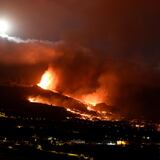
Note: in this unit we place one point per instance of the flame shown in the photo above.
(48, 80)
(38, 99)
(32, 99)
(99, 96)
(92, 99)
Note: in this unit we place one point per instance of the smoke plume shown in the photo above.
(107, 50)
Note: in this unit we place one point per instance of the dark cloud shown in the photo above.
(105, 46)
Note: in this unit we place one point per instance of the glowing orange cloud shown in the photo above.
(99, 96)
(91, 99)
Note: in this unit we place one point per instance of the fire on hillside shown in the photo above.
(89, 107)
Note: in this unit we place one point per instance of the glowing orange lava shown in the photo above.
(86, 115)
(92, 99)
(88, 102)
(32, 99)
(48, 80)
(38, 99)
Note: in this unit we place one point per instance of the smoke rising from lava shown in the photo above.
(81, 73)
(109, 50)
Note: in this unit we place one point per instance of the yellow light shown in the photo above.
(121, 142)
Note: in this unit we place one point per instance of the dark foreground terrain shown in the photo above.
(35, 138)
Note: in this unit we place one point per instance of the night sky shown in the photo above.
(105, 47)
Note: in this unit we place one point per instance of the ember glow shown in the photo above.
(48, 80)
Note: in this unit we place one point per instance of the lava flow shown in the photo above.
(86, 108)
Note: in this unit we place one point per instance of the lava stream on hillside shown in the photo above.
(83, 111)
(91, 109)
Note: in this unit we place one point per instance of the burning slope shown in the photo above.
(83, 111)
(87, 108)
(49, 81)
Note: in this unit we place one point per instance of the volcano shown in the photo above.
(32, 95)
